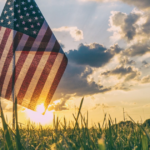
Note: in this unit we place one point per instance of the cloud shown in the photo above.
(75, 81)
(146, 25)
(145, 64)
(138, 49)
(62, 45)
(128, 73)
(102, 106)
(93, 55)
(59, 106)
(123, 86)
(74, 32)
(134, 28)
(81, 66)
(8, 106)
(123, 25)
(146, 106)
(142, 4)
(146, 79)
(128, 77)
(124, 60)
(128, 103)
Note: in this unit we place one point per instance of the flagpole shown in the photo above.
(13, 89)
(13, 83)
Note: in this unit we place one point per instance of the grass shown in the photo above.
(75, 135)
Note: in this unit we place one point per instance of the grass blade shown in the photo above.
(17, 137)
(144, 142)
(78, 113)
(7, 137)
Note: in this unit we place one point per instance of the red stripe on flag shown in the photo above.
(42, 80)
(56, 81)
(4, 41)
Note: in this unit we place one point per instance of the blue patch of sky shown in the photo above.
(90, 17)
(2, 3)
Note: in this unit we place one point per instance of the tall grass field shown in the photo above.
(75, 135)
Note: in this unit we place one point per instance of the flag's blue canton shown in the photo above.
(23, 16)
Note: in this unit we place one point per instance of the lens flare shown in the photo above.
(37, 116)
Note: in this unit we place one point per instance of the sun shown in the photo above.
(37, 117)
(40, 109)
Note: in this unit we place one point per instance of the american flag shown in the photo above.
(39, 60)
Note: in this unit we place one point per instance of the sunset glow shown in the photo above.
(37, 117)
(40, 109)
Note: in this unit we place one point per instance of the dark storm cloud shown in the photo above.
(128, 72)
(94, 55)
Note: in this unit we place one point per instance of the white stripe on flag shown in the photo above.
(50, 79)
(51, 43)
(2, 31)
(40, 36)
(35, 79)
(7, 79)
(6, 50)
(22, 42)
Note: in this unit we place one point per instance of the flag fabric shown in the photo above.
(39, 59)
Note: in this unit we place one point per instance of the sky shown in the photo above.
(107, 43)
